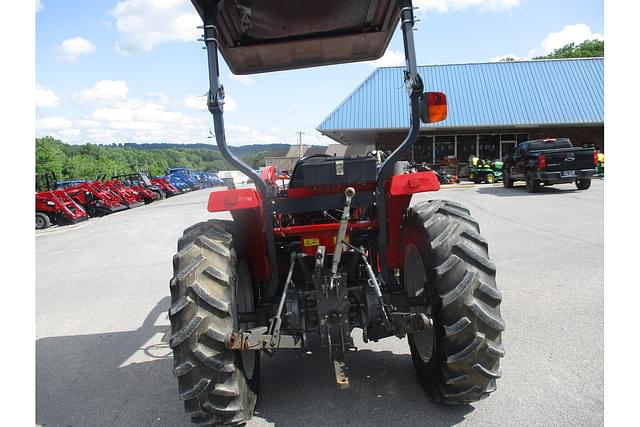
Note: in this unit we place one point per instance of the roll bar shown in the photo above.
(215, 104)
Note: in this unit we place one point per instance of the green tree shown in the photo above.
(587, 49)
(49, 156)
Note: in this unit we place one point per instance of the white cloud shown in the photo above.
(443, 6)
(104, 91)
(39, 6)
(389, 59)
(46, 98)
(70, 49)
(143, 24)
(242, 79)
(112, 117)
(230, 104)
(243, 135)
(570, 34)
(199, 103)
(53, 123)
(577, 34)
(145, 119)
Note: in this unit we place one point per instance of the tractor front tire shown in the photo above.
(42, 221)
(210, 286)
(447, 261)
(490, 178)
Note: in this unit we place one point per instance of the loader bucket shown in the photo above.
(270, 35)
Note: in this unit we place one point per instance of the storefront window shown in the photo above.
(423, 149)
(466, 147)
(489, 147)
(445, 147)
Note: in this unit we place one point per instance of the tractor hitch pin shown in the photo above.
(274, 327)
(349, 193)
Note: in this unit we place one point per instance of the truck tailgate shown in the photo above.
(568, 159)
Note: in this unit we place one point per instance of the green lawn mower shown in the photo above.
(486, 171)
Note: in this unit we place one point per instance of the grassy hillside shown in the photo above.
(89, 160)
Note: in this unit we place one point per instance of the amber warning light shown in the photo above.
(433, 107)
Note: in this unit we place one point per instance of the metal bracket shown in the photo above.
(406, 323)
(258, 339)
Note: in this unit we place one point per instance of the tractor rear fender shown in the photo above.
(399, 191)
(245, 206)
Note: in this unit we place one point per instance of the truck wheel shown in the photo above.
(583, 184)
(447, 262)
(533, 185)
(506, 181)
(42, 221)
(490, 178)
(210, 286)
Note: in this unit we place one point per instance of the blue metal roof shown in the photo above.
(520, 93)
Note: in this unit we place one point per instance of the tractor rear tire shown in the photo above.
(583, 183)
(218, 385)
(462, 361)
(42, 221)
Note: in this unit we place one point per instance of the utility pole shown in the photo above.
(300, 144)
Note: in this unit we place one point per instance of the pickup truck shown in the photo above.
(548, 162)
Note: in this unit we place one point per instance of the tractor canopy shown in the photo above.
(270, 35)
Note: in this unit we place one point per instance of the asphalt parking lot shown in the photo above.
(102, 330)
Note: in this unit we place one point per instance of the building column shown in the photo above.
(433, 150)
(455, 146)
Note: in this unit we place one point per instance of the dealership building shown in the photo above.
(491, 108)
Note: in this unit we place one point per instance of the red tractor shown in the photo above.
(141, 184)
(126, 195)
(160, 182)
(168, 188)
(57, 207)
(143, 193)
(95, 201)
(341, 247)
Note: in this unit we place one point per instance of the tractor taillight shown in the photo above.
(595, 158)
(542, 162)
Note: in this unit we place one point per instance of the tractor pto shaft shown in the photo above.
(349, 193)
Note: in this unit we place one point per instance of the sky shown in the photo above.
(111, 71)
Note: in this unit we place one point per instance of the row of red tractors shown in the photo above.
(69, 202)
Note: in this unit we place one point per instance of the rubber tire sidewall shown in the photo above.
(583, 184)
